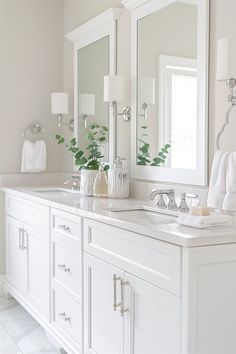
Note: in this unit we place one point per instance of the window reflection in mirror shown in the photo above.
(93, 65)
(167, 87)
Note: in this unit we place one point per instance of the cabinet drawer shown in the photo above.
(155, 261)
(67, 315)
(67, 266)
(66, 223)
(31, 213)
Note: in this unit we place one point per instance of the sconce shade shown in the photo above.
(114, 88)
(87, 104)
(147, 91)
(59, 103)
(226, 54)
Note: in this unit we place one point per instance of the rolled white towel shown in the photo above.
(217, 186)
(203, 222)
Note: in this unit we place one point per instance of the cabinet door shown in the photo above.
(16, 255)
(103, 326)
(38, 269)
(152, 322)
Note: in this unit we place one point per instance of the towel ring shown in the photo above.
(35, 128)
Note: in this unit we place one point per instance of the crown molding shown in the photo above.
(133, 4)
(108, 16)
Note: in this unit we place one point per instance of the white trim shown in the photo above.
(89, 27)
(164, 174)
(133, 4)
(99, 27)
(2, 280)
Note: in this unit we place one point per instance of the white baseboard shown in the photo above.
(2, 279)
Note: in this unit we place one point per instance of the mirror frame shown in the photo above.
(140, 9)
(99, 27)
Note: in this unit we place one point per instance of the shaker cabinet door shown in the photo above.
(38, 269)
(152, 319)
(16, 254)
(103, 326)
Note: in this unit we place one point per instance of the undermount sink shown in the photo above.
(144, 215)
(56, 191)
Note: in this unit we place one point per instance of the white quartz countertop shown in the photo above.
(162, 228)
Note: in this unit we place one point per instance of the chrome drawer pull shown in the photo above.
(115, 280)
(25, 236)
(20, 239)
(64, 267)
(64, 228)
(122, 307)
(64, 316)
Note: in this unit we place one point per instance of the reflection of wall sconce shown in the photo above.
(226, 71)
(146, 95)
(114, 90)
(59, 106)
(86, 106)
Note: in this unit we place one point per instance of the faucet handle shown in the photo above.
(160, 203)
(183, 204)
(183, 207)
(172, 203)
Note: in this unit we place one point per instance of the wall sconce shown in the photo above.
(86, 106)
(114, 90)
(59, 107)
(146, 95)
(226, 71)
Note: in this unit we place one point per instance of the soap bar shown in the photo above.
(201, 211)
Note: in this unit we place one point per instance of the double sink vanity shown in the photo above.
(107, 276)
(110, 276)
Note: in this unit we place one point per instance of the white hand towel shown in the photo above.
(217, 187)
(203, 222)
(230, 197)
(33, 156)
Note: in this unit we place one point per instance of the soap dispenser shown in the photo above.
(118, 181)
(100, 187)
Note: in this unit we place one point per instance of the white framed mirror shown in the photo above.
(169, 50)
(95, 55)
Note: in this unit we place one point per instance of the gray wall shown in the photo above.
(31, 67)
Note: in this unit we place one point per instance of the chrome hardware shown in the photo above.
(183, 204)
(115, 280)
(122, 307)
(75, 182)
(63, 267)
(160, 202)
(22, 243)
(24, 240)
(64, 316)
(156, 192)
(64, 228)
(35, 128)
(20, 238)
(172, 203)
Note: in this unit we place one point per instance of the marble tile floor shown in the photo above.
(19, 332)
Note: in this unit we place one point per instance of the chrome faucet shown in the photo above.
(75, 182)
(160, 201)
